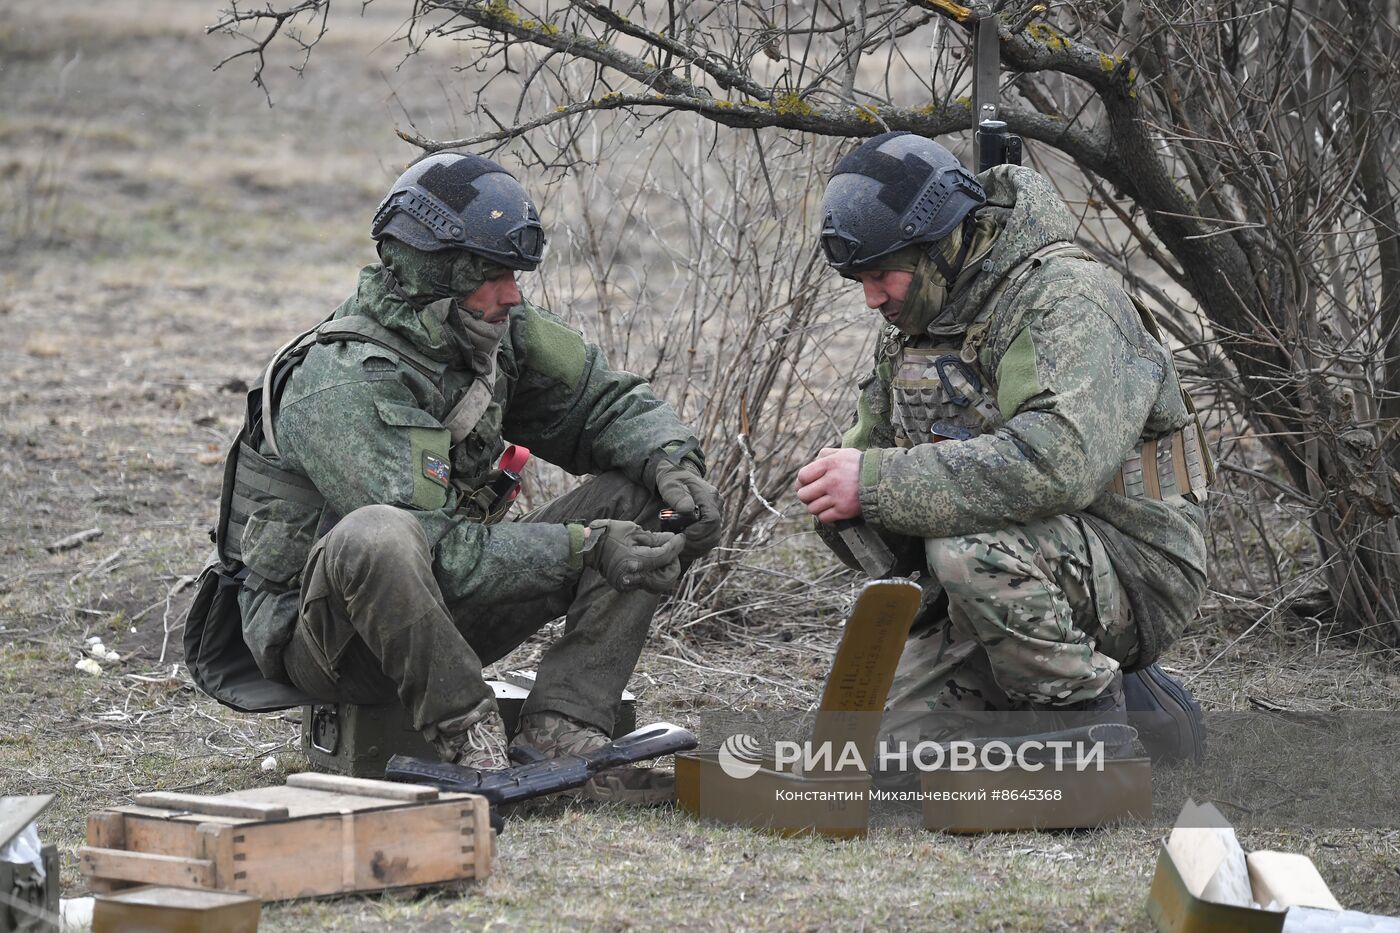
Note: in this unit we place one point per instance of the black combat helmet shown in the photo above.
(453, 201)
(893, 190)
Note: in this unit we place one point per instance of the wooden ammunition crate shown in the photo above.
(319, 834)
(175, 910)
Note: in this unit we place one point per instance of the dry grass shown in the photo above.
(184, 230)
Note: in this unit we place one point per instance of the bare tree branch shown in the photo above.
(1234, 161)
(233, 20)
(726, 76)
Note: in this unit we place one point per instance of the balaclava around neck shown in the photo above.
(928, 290)
(433, 283)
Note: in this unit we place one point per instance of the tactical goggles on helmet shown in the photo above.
(520, 247)
(840, 248)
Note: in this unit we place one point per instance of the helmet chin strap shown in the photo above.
(951, 271)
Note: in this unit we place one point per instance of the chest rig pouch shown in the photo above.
(475, 427)
(937, 394)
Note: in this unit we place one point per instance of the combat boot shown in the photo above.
(479, 744)
(1109, 708)
(1036, 733)
(1166, 715)
(554, 734)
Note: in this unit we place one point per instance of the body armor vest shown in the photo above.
(940, 393)
(937, 395)
(253, 479)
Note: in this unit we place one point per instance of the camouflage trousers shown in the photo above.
(1034, 615)
(374, 626)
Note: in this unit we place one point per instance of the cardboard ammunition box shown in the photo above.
(319, 834)
(835, 805)
(358, 741)
(175, 910)
(717, 785)
(1174, 907)
(982, 800)
(27, 903)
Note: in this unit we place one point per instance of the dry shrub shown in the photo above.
(692, 262)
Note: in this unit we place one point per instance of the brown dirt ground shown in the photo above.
(162, 231)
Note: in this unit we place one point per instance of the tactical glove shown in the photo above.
(629, 557)
(685, 491)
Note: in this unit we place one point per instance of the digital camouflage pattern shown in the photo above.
(420, 278)
(1077, 382)
(928, 290)
(367, 425)
(406, 641)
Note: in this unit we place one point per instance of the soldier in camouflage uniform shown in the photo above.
(1023, 443)
(367, 510)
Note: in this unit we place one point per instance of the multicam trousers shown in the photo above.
(1034, 614)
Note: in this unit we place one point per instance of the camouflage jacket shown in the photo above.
(1078, 383)
(366, 426)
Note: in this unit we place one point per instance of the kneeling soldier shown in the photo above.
(369, 516)
(1023, 442)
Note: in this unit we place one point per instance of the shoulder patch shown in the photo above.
(1017, 379)
(553, 349)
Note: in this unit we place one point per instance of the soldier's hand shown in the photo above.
(686, 492)
(830, 484)
(629, 557)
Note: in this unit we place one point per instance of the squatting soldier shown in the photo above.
(1023, 441)
(368, 511)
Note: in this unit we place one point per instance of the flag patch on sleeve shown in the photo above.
(436, 469)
